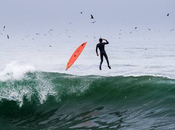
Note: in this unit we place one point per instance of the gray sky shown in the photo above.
(111, 16)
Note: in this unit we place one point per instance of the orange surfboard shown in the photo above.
(75, 55)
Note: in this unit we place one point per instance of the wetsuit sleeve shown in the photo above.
(106, 42)
(97, 49)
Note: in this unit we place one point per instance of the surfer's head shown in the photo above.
(100, 40)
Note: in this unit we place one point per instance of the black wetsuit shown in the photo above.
(101, 47)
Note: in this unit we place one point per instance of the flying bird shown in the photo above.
(171, 30)
(50, 30)
(135, 27)
(8, 36)
(3, 28)
(168, 14)
(81, 12)
(92, 17)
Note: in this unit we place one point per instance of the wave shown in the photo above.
(69, 101)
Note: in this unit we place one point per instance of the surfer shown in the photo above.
(101, 47)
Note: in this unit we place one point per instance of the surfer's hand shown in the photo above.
(97, 54)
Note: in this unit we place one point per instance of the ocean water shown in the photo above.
(37, 93)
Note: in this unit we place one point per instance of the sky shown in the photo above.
(64, 19)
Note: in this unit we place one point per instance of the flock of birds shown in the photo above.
(3, 30)
(92, 17)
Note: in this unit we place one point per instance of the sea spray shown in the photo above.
(18, 81)
(15, 71)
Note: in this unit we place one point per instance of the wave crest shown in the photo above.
(15, 71)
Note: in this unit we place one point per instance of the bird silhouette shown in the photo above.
(3, 28)
(171, 30)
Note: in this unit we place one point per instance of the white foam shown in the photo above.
(15, 94)
(15, 71)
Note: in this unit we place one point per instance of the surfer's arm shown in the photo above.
(106, 41)
(97, 50)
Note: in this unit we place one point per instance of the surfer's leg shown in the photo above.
(101, 57)
(105, 55)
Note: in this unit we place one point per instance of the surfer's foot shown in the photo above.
(100, 67)
(109, 67)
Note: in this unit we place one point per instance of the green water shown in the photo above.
(45, 100)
